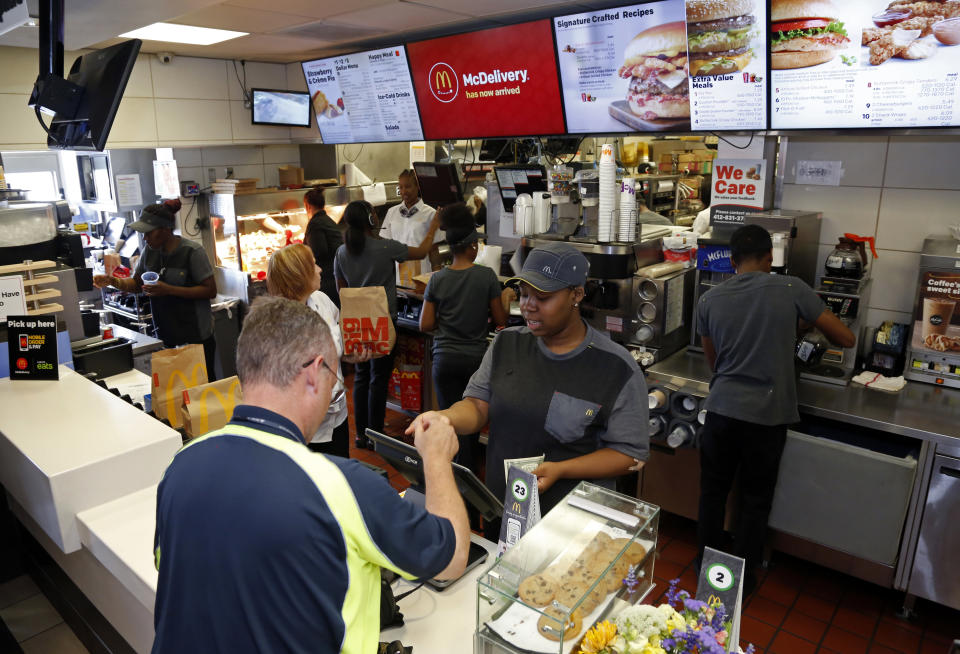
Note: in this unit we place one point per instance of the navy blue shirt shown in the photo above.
(265, 546)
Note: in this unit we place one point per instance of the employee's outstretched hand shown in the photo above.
(159, 289)
(547, 474)
(102, 281)
(434, 438)
(424, 420)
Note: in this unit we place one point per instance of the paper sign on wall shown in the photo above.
(821, 173)
(12, 300)
(128, 191)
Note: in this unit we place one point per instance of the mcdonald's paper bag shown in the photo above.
(172, 371)
(210, 406)
(365, 321)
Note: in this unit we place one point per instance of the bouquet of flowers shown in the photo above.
(683, 626)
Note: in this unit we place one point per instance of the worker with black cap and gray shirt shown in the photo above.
(180, 298)
(749, 326)
(556, 387)
(457, 305)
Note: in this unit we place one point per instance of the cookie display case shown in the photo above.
(588, 559)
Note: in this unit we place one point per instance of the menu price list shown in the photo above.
(912, 103)
(849, 99)
(728, 102)
(376, 94)
(825, 98)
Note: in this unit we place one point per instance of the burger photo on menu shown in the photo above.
(655, 62)
(805, 33)
(910, 31)
(719, 35)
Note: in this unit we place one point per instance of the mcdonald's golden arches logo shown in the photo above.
(443, 82)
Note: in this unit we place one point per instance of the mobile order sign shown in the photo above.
(496, 82)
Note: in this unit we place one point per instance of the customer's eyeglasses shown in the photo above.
(343, 384)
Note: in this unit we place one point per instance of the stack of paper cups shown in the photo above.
(607, 214)
(628, 210)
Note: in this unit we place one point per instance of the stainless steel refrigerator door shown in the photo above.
(936, 567)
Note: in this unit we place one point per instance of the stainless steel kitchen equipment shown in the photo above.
(28, 230)
(936, 567)
(933, 355)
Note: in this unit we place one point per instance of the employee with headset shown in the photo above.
(366, 259)
(409, 221)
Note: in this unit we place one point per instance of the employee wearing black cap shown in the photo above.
(457, 304)
(556, 387)
(180, 299)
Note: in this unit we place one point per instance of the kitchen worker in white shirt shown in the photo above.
(408, 223)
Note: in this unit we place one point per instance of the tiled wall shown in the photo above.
(898, 189)
(188, 102)
(247, 161)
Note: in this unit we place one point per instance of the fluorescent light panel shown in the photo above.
(173, 33)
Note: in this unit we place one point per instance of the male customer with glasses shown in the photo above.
(264, 546)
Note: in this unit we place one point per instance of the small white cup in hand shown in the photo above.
(150, 278)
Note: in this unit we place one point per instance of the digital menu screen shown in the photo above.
(365, 97)
(669, 65)
(865, 63)
(496, 82)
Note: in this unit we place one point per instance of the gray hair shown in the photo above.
(278, 337)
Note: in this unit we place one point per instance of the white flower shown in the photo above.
(640, 622)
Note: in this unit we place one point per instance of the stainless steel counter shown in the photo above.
(922, 411)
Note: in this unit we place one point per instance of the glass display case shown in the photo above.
(588, 559)
(248, 228)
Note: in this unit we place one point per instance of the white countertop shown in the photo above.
(69, 445)
(437, 622)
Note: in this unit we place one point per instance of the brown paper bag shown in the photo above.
(210, 406)
(172, 371)
(365, 321)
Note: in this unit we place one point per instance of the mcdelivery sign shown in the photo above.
(497, 82)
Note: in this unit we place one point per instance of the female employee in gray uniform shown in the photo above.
(556, 387)
(180, 300)
(365, 259)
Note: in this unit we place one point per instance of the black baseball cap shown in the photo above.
(553, 267)
(152, 217)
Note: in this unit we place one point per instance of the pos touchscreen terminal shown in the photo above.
(408, 463)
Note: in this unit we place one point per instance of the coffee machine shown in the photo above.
(933, 355)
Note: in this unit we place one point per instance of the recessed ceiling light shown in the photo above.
(173, 33)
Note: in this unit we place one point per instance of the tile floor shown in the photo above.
(798, 608)
(802, 608)
(33, 623)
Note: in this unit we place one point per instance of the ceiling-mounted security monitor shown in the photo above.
(87, 101)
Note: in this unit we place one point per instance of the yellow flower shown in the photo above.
(599, 638)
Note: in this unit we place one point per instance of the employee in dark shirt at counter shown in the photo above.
(323, 237)
(749, 326)
(180, 299)
(457, 305)
(556, 387)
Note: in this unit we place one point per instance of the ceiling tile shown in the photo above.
(398, 16)
(489, 7)
(312, 8)
(241, 19)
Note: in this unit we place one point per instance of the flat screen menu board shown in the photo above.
(864, 63)
(668, 65)
(496, 82)
(365, 97)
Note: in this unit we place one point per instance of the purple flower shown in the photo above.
(750, 648)
(694, 606)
